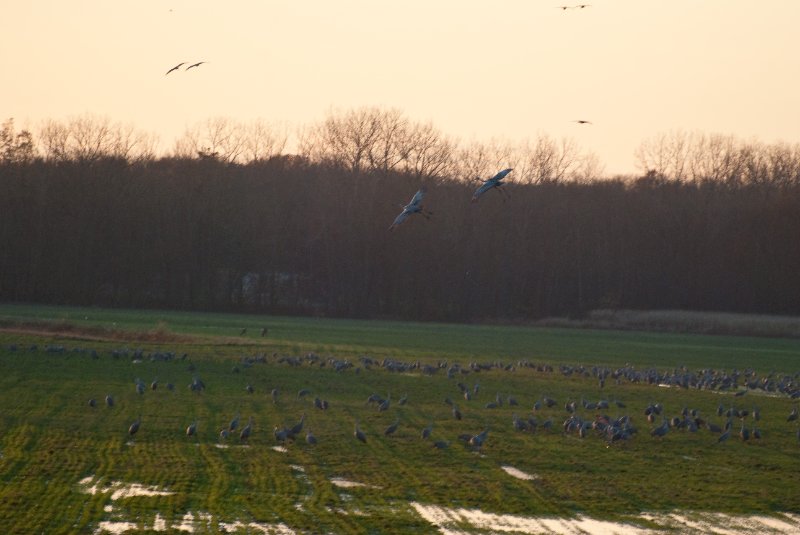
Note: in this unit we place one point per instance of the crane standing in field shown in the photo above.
(413, 207)
(495, 182)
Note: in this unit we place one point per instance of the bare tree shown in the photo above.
(263, 141)
(89, 138)
(16, 147)
(217, 138)
(427, 152)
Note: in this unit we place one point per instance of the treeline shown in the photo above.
(307, 234)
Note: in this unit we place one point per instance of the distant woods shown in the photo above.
(229, 221)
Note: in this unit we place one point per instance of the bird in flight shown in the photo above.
(495, 182)
(175, 68)
(581, 121)
(563, 8)
(195, 64)
(413, 207)
(581, 6)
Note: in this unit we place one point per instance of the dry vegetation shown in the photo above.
(683, 321)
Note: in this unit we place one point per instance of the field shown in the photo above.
(69, 467)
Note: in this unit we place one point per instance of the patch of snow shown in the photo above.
(345, 484)
(451, 521)
(519, 474)
(115, 527)
(159, 524)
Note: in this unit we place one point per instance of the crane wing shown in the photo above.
(417, 198)
(400, 218)
(486, 186)
(501, 175)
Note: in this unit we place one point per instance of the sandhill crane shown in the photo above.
(109, 400)
(427, 431)
(135, 426)
(581, 6)
(296, 428)
(274, 395)
(264, 331)
(441, 444)
(392, 428)
(563, 8)
(456, 412)
(385, 403)
(280, 434)
(175, 68)
(476, 441)
(493, 183)
(195, 64)
(744, 433)
(303, 392)
(661, 430)
(246, 430)
(92, 403)
(792, 415)
(154, 384)
(359, 434)
(724, 436)
(223, 434)
(250, 388)
(192, 429)
(310, 438)
(234, 423)
(582, 121)
(413, 207)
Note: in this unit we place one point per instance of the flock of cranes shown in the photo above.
(415, 204)
(581, 418)
(179, 65)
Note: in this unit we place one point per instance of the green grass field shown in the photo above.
(64, 466)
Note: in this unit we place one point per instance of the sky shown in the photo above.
(507, 70)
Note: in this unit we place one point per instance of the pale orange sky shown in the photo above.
(508, 69)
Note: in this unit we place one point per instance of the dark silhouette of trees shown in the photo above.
(715, 229)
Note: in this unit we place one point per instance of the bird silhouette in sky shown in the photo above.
(495, 182)
(195, 64)
(175, 68)
(581, 121)
(413, 207)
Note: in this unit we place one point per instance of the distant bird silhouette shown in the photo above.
(581, 6)
(427, 431)
(495, 182)
(175, 68)
(192, 429)
(246, 430)
(413, 207)
(359, 434)
(310, 438)
(195, 64)
(563, 8)
(92, 402)
(582, 121)
(135, 426)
